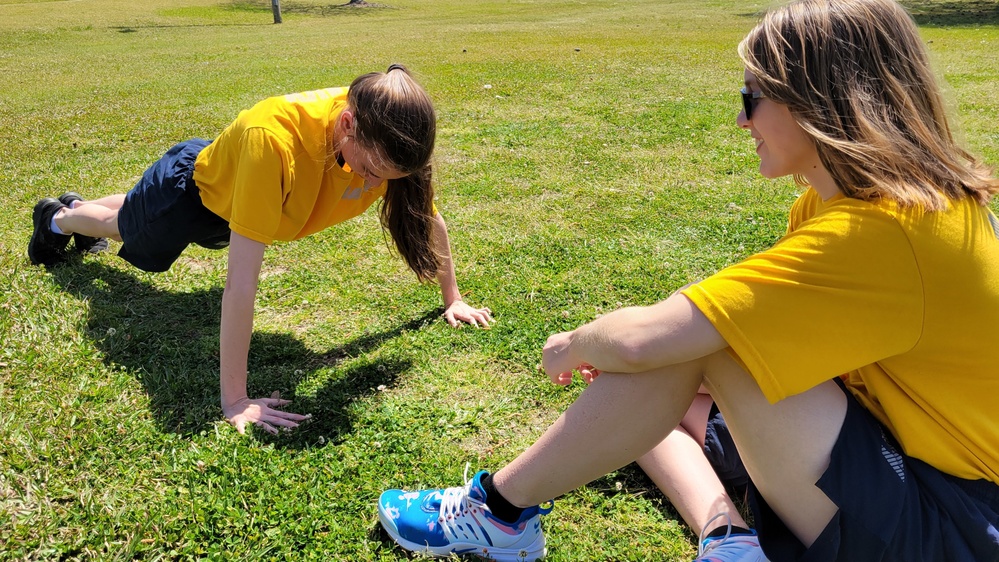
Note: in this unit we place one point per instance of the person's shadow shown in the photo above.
(170, 341)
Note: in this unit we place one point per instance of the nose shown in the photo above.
(741, 120)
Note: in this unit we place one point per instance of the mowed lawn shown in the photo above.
(587, 158)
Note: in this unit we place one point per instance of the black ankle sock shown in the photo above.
(502, 509)
(720, 531)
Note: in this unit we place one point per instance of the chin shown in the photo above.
(770, 174)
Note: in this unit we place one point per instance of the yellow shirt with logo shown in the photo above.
(903, 303)
(271, 175)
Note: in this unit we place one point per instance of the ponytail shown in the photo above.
(396, 119)
(407, 213)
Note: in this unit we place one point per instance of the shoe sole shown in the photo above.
(36, 220)
(535, 551)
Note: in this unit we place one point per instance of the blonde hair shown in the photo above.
(855, 75)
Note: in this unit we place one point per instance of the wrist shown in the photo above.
(229, 401)
(572, 347)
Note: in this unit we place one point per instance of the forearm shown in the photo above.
(446, 277)
(245, 259)
(639, 339)
(234, 344)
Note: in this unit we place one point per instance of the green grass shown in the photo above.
(600, 167)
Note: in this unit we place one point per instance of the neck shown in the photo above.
(822, 182)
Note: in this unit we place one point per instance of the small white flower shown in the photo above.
(487, 86)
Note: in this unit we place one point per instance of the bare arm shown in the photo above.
(245, 259)
(455, 309)
(634, 340)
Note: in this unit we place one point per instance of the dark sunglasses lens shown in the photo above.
(747, 104)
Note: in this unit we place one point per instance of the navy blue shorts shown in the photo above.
(163, 213)
(891, 507)
(720, 450)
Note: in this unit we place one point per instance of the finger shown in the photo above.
(241, 427)
(485, 319)
(449, 316)
(267, 427)
(275, 402)
(282, 415)
(562, 378)
(282, 422)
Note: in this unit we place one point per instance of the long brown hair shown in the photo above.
(856, 77)
(396, 121)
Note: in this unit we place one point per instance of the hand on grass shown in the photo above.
(460, 311)
(263, 412)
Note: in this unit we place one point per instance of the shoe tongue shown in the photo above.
(476, 491)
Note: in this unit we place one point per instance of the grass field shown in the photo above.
(587, 158)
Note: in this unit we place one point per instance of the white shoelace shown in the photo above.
(701, 551)
(454, 506)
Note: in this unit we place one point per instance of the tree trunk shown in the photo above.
(276, 8)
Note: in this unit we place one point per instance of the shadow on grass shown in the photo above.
(136, 28)
(170, 341)
(969, 13)
(307, 8)
(932, 13)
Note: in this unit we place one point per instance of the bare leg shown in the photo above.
(90, 219)
(678, 466)
(785, 446)
(617, 419)
(113, 202)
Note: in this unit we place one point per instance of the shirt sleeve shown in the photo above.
(258, 188)
(839, 292)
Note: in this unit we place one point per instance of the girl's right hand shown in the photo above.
(262, 412)
(556, 359)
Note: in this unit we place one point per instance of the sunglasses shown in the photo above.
(749, 101)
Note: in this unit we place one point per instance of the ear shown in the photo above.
(347, 122)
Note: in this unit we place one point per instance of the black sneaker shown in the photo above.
(86, 244)
(46, 247)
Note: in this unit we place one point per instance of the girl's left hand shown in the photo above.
(460, 311)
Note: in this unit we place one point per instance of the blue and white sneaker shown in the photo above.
(730, 548)
(456, 521)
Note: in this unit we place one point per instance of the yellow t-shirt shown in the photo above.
(270, 173)
(903, 302)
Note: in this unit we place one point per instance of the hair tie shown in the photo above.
(397, 66)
